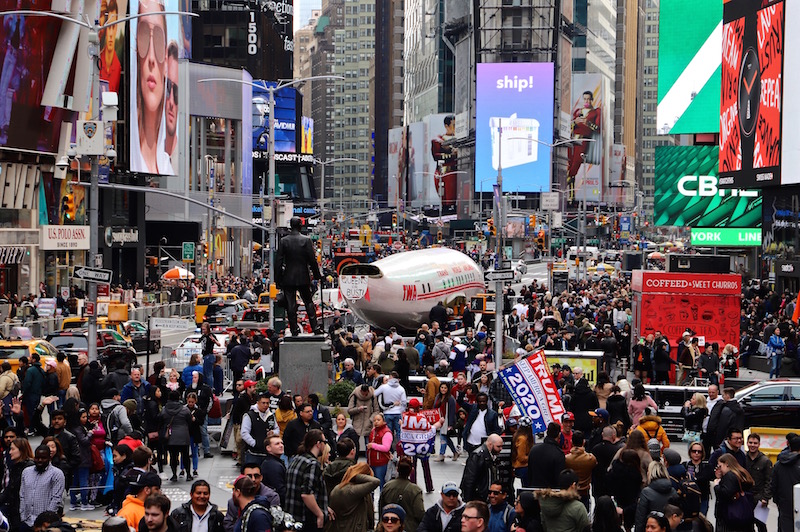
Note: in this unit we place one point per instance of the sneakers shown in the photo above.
(208, 455)
(195, 472)
(439, 458)
(87, 507)
(174, 478)
(74, 507)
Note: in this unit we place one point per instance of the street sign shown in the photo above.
(97, 275)
(88, 308)
(499, 275)
(505, 264)
(155, 334)
(172, 324)
(103, 290)
(187, 252)
(549, 201)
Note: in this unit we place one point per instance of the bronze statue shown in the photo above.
(295, 258)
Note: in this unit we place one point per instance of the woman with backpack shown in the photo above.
(734, 509)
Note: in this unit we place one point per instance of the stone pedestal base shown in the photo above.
(304, 368)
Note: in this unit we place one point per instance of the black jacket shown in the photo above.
(294, 433)
(624, 484)
(549, 461)
(182, 517)
(653, 499)
(273, 474)
(785, 475)
(239, 357)
(295, 258)
(618, 410)
(707, 473)
(604, 452)
(72, 449)
(479, 473)
(725, 416)
(432, 522)
(439, 314)
(171, 526)
(583, 401)
(693, 418)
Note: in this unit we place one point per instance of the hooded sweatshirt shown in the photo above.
(390, 393)
(562, 511)
(653, 499)
(117, 423)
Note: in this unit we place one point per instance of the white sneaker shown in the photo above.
(87, 507)
(74, 507)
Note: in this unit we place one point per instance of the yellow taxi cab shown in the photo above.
(102, 323)
(203, 300)
(12, 350)
(263, 300)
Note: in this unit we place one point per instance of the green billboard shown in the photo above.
(726, 237)
(689, 66)
(687, 195)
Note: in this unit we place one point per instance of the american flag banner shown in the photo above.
(534, 391)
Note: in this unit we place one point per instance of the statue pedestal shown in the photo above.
(304, 364)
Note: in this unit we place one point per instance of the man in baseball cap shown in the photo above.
(445, 515)
(567, 422)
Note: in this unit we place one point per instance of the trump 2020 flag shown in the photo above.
(531, 385)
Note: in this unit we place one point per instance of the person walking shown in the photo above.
(734, 510)
(20, 457)
(785, 475)
(174, 432)
(655, 496)
(361, 406)
(379, 447)
(481, 469)
(351, 501)
(306, 496)
(549, 459)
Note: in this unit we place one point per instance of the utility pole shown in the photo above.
(498, 285)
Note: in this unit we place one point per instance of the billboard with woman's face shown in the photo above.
(156, 43)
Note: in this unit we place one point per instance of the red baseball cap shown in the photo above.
(568, 416)
(414, 403)
(248, 384)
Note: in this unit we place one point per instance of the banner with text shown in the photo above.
(534, 391)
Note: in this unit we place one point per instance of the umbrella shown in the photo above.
(603, 266)
(175, 273)
(656, 256)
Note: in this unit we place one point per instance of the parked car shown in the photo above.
(137, 332)
(774, 403)
(221, 313)
(110, 346)
(179, 357)
(12, 350)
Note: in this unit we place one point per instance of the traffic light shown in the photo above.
(490, 225)
(532, 223)
(68, 207)
(394, 221)
(439, 236)
(540, 240)
(205, 249)
(273, 291)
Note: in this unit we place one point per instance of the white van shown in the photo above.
(592, 251)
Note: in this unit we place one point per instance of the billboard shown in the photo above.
(157, 42)
(589, 117)
(415, 164)
(307, 135)
(397, 165)
(790, 152)
(689, 67)
(440, 180)
(750, 114)
(687, 193)
(514, 125)
(285, 118)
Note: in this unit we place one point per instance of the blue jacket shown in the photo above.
(187, 373)
(501, 516)
(490, 420)
(129, 392)
(259, 519)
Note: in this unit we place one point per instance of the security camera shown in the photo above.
(111, 154)
(62, 163)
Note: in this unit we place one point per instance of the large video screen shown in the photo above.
(687, 193)
(285, 118)
(750, 114)
(790, 133)
(689, 66)
(514, 125)
(157, 42)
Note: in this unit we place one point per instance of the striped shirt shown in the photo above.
(40, 492)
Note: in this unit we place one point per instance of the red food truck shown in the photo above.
(708, 304)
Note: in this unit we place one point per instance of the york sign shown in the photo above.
(726, 236)
(706, 186)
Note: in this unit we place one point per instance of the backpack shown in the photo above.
(690, 496)
(111, 423)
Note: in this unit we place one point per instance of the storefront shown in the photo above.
(787, 276)
(63, 247)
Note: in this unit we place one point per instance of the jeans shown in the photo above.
(195, 454)
(204, 437)
(393, 422)
(62, 396)
(80, 479)
(446, 442)
(609, 364)
(174, 452)
(380, 473)
(775, 368)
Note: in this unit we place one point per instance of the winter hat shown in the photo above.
(672, 457)
(394, 509)
(654, 447)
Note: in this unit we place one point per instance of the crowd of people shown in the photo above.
(113, 434)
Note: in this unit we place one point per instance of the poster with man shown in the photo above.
(443, 162)
(585, 156)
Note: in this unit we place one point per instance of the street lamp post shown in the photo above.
(272, 184)
(93, 49)
(441, 186)
(323, 164)
(211, 162)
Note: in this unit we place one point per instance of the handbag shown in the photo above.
(168, 431)
(740, 511)
(97, 461)
(216, 410)
(691, 436)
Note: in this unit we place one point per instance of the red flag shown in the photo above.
(796, 313)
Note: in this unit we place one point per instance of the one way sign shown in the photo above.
(97, 275)
(499, 275)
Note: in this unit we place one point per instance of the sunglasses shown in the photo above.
(156, 36)
(390, 519)
(172, 88)
(655, 514)
(495, 492)
(696, 451)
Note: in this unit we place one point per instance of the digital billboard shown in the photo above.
(750, 114)
(397, 165)
(439, 180)
(285, 118)
(687, 193)
(415, 163)
(157, 42)
(307, 135)
(689, 67)
(790, 153)
(514, 125)
(589, 123)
